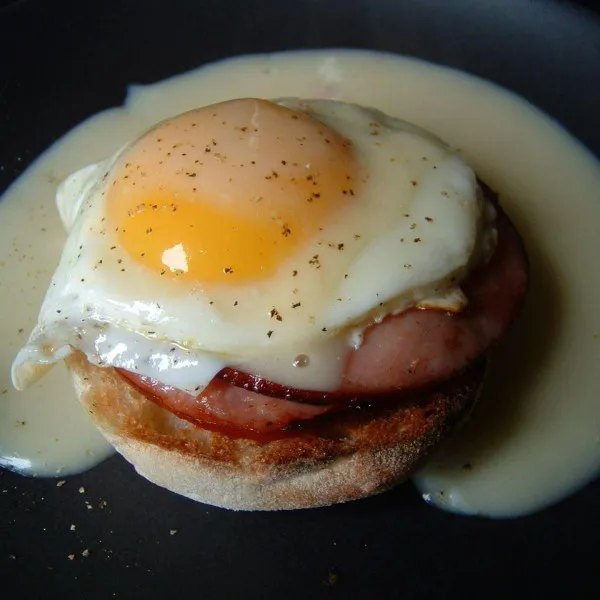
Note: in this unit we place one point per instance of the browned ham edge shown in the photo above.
(237, 413)
(229, 409)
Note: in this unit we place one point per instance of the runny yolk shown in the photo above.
(227, 192)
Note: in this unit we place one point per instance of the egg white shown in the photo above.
(418, 227)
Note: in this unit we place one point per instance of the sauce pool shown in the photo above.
(44, 431)
(534, 437)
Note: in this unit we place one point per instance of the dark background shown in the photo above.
(63, 60)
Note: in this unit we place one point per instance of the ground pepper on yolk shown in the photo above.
(226, 193)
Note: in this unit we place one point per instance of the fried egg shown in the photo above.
(251, 232)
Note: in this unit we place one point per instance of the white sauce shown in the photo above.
(535, 435)
(44, 431)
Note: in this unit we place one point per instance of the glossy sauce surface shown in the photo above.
(44, 431)
(535, 435)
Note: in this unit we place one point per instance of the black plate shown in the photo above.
(63, 60)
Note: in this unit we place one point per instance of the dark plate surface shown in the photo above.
(63, 60)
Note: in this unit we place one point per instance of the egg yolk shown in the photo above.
(228, 192)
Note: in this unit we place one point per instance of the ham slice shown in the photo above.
(419, 347)
(413, 350)
(227, 408)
